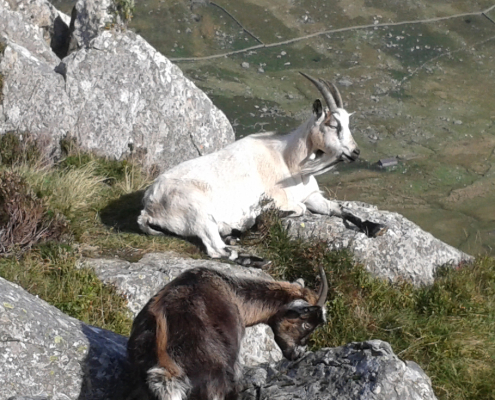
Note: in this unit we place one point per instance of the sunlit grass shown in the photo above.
(447, 328)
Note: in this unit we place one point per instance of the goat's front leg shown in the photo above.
(292, 210)
(320, 205)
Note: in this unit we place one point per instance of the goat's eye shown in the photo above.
(306, 326)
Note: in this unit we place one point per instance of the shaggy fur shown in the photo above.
(185, 342)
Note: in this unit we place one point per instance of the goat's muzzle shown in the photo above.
(351, 157)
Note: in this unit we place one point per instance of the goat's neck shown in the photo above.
(261, 302)
(296, 146)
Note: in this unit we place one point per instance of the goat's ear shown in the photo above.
(299, 282)
(317, 108)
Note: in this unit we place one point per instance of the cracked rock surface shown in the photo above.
(367, 370)
(405, 251)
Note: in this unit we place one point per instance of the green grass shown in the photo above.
(49, 271)
(100, 200)
(447, 328)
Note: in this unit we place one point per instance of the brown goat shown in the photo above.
(185, 342)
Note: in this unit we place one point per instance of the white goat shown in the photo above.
(212, 196)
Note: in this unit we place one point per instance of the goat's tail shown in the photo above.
(167, 380)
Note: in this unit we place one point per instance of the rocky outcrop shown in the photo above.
(44, 354)
(142, 103)
(358, 371)
(141, 280)
(90, 19)
(405, 251)
(116, 95)
(34, 98)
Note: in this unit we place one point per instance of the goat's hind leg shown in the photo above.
(208, 232)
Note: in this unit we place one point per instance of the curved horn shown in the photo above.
(322, 86)
(336, 94)
(322, 293)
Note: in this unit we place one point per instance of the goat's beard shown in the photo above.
(316, 168)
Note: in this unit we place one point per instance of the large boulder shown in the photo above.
(117, 95)
(47, 354)
(141, 280)
(44, 354)
(405, 251)
(358, 371)
(132, 98)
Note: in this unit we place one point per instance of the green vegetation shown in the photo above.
(50, 272)
(447, 328)
(125, 9)
(54, 215)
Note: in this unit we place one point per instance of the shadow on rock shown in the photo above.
(105, 369)
(122, 213)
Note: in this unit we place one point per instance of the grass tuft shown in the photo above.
(49, 271)
(447, 328)
(18, 148)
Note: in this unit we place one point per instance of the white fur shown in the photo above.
(167, 388)
(209, 196)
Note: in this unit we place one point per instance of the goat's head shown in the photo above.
(329, 140)
(295, 322)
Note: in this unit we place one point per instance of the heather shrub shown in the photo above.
(24, 219)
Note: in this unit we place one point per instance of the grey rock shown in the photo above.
(116, 97)
(14, 28)
(53, 24)
(345, 82)
(90, 17)
(34, 98)
(368, 370)
(141, 280)
(47, 354)
(405, 251)
(128, 96)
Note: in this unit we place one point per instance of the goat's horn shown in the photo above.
(324, 90)
(322, 293)
(336, 94)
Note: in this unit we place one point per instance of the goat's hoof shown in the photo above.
(373, 230)
(231, 240)
(247, 260)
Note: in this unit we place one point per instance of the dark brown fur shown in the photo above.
(189, 334)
